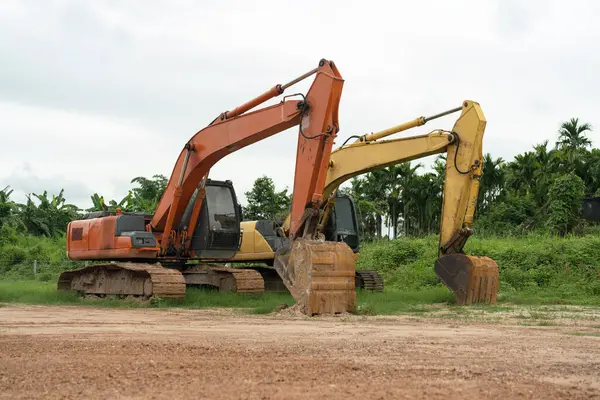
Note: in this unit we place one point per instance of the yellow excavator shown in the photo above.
(472, 279)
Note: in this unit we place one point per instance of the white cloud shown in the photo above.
(93, 94)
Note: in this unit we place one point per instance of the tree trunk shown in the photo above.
(394, 220)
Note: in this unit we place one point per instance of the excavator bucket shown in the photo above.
(472, 279)
(319, 275)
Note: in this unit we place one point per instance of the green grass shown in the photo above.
(534, 269)
(31, 292)
(585, 334)
(549, 297)
(419, 303)
(397, 302)
(389, 302)
(368, 303)
(531, 313)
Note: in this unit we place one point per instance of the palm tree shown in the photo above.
(6, 206)
(571, 135)
(423, 203)
(369, 203)
(522, 172)
(491, 184)
(406, 174)
(375, 189)
(546, 163)
(391, 181)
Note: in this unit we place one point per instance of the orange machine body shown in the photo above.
(96, 239)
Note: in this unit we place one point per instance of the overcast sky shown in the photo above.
(94, 93)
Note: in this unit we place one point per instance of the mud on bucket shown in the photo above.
(472, 279)
(319, 275)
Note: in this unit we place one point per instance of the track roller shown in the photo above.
(369, 280)
(225, 279)
(124, 279)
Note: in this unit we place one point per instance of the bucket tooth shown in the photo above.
(472, 279)
(319, 275)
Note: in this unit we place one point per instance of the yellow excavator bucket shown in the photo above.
(472, 279)
(319, 275)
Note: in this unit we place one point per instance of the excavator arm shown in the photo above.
(473, 279)
(317, 117)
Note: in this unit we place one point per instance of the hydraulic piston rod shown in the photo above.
(407, 125)
(268, 95)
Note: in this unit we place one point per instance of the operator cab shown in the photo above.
(217, 233)
(342, 226)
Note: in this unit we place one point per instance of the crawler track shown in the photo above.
(124, 279)
(369, 280)
(225, 279)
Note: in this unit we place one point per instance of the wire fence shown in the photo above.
(39, 269)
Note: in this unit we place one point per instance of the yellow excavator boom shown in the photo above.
(473, 279)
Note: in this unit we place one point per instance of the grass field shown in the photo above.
(390, 302)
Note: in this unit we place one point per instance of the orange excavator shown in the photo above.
(197, 220)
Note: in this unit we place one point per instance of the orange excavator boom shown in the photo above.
(317, 115)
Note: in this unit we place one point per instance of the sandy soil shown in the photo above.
(85, 352)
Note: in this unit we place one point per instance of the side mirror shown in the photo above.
(241, 211)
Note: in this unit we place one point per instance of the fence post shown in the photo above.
(34, 267)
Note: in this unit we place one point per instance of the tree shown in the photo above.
(6, 206)
(521, 172)
(145, 198)
(374, 191)
(371, 205)
(564, 203)
(99, 204)
(571, 135)
(515, 213)
(50, 217)
(492, 182)
(589, 171)
(264, 202)
(401, 179)
(422, 204)
(545, 163)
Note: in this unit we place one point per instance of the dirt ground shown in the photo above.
(85, 352)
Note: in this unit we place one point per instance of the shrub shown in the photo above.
(567, 266)
(564, 203)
